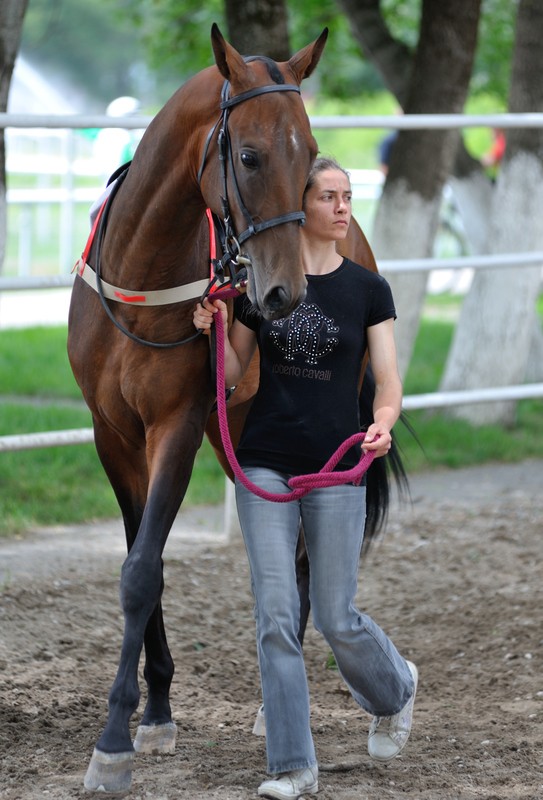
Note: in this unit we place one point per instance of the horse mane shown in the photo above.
(273, 70)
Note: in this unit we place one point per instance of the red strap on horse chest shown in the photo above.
(92, 234)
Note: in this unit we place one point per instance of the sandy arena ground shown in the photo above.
(456, 581)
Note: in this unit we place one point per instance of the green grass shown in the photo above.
(50, 486)
(60, 485)
(63, 485)
(34, 363)
(446, 442)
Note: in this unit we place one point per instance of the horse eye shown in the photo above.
(249, 160)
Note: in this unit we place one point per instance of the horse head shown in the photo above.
(266, 149)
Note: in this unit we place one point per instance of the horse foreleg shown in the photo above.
(157, 732)
(141, 587)
(110, 768)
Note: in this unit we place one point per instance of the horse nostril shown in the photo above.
(278, 300)
(281, 303)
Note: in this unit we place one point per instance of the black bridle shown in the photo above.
(231, 243)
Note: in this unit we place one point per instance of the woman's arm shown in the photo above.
(239, 342)
(387, 403)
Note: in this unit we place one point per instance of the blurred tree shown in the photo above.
(498, 339)
(144, 48)
(176, 36)
(492, 66)
(259, 27)
(433, 78)
(88, 42)
(390, 47)
(469, 364)
(12, 14)
(176, 33)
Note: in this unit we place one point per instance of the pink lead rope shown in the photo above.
(300, 484)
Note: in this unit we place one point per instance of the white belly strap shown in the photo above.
(157, 297)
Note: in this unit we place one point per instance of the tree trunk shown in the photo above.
(471, 185)
(391, 57)
(501, 306)
(408, 214)
(472, 191)
(259, 27)
(12, 14)
(534, 371)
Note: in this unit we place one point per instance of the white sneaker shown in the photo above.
(259, 728)
(388, 735)
(291, 785)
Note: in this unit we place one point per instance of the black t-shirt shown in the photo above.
(306, 405)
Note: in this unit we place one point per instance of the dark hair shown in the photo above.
(321, 165)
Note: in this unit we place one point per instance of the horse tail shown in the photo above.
(382, 470)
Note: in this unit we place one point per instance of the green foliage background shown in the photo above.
(147, 49)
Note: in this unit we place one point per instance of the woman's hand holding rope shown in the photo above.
(204, 312)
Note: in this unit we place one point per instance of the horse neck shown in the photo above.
(156, 230)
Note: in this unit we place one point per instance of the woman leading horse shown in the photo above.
(235, 139)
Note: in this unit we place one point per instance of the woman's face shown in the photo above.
(327, 206)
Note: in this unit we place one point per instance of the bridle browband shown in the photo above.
(231, 243)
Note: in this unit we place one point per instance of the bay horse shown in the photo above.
(236, 139)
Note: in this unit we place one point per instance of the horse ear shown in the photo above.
(227, 57)
(304, 61)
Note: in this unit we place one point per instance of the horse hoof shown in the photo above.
(109, 772)
(156, 739)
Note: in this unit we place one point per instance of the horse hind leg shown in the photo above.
(157, 733)
(157, 739)
(302, 581)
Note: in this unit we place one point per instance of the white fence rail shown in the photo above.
(406, 122)
(30, 441)
(403, 122)
(500, 261)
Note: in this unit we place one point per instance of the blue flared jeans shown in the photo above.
(375, 673)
